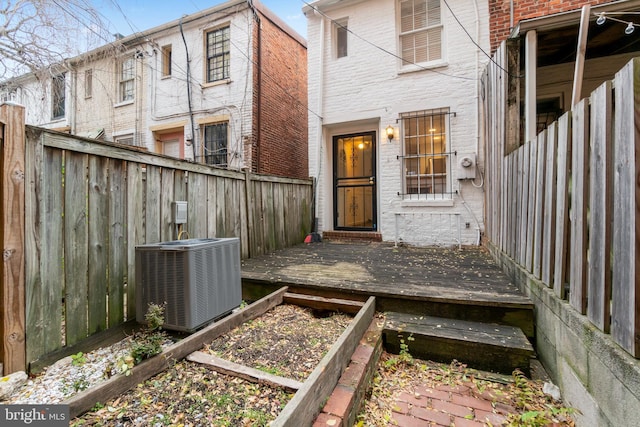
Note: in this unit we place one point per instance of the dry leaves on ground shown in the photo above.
(288, 341)
(403, 373)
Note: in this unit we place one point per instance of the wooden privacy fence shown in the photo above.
(87, 205)
(566, 207)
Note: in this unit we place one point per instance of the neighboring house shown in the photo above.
(394, 136)
(226, 86)
(542, 43)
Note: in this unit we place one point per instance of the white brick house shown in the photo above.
(408, 66)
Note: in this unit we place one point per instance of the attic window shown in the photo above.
(341, 32)
(166, 61)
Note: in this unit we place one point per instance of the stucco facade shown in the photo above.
(208, 87)
(367, 88)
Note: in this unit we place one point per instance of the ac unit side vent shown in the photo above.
(198, 279)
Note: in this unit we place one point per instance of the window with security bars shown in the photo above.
(426, 159)
(58, 96)
(126, 79)
(218, 54)
(420, 31)
(215, 146)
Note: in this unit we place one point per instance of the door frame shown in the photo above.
(374, 170)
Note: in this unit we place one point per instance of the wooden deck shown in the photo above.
(464, 284)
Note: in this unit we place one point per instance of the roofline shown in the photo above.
(327, 5)
(562, 19)
(268, 13)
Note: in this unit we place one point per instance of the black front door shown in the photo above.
(354, 182)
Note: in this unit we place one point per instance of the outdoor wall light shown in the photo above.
(390, 132)
(601, 19)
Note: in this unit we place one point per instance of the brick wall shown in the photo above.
(499, 11)
(280, 104)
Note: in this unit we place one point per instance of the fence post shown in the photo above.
(12, 189)
(625, 312)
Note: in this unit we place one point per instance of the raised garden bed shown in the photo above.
(313, 387)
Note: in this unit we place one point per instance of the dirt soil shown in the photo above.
(288, 341)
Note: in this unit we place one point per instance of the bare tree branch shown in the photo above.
(35, 34)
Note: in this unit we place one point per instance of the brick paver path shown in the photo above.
(450, 405)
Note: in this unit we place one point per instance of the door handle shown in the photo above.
(372, 180)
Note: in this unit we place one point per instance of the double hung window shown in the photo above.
(420, 31)
(218, 54)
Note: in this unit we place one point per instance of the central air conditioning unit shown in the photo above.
(197, 279)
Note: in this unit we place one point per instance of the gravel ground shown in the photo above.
(66, 377)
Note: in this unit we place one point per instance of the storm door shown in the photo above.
(354, 182)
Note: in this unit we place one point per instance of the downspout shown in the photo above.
(193, 128)
(320, 113)
(74, 101)
(510, 15)
(258, 87)
(477, 75)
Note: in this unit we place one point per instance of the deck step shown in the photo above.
(485, 346)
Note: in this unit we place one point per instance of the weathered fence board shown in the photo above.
(117, 253)
(579, 203)
(600, 205)
(548, 241)
(12, 291)
(76, 241)
(625, 324)
(531, 208)
(562, 205)
(538, 216)
(98, 239)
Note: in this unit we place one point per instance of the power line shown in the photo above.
(477, 45)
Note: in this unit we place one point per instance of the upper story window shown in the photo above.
(340, 33)
(166, 61)
(88, 83)
(426, 161)
(420, 31)
(215, 147)
(126, 78)
(218, 54)
(58, 94)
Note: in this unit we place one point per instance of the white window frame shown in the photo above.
(341, 33)
(88, 83)
(126, 79)
(58, 96)
(218, 59)
(167, 57)
(410, 32)
(423, 177)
